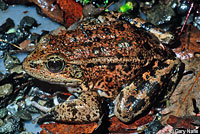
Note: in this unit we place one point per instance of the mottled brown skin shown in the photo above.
(115, 60)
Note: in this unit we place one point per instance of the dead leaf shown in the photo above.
(59, 128)
(119, 127)
(72, 11)
(190, 43)
(24, 44)
(182, 122)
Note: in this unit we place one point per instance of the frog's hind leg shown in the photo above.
(84, 109)
(146, 90)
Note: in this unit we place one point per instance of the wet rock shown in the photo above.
(197, 22)
(183, 8)
(24, 115)
(1, 122)
(32, 109)
(25, 2)
(34, 37)
(13, 38)
(5, 90)
(1, 76)
(21, 104)
(29, 107)
(18, 36)
(12, 108)
(91, 10)
(153, 127)
(26, 132)
(28, 22)
(147, 4)
(160, 14)
(7, 25)
(22, 34)
(3, 112)
(5, 38)
(3, 5)
(17, 69)
(10, 61)
(11, 125)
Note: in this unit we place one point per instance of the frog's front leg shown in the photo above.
(84, 109)
(147, 90)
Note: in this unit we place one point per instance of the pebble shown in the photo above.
(17, 69)
(12, 108)
(3, 112)
(1, 122)
(5, 90)
(3, 5)
(160, 14)
(28, 22)
(11, 125)
(10, 61)
(7, 25)
(26, 132)
(24, 115)
(183, 8)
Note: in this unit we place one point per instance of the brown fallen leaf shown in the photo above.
(72, 11)
(24, 44)
(119, 127)
(182, 122)
(190, 43)
(59, 128)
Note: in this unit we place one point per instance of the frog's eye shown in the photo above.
(55, 63)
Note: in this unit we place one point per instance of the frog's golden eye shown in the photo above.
(55, 63)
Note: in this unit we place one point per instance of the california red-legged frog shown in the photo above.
(113, 59)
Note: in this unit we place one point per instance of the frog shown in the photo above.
(114, 60)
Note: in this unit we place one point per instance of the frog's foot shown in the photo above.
(84, 109)
(147, 90)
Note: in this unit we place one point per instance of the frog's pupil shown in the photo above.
(55, 65)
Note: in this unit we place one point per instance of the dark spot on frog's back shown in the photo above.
(74, 111)
(131, 99)
(119, 55)
(89, 32)
(90, 65)
(127, 67)
(108, 79)
(162, 65)
(96, 39)
(41, 52)
(147, 46)
(96, 50)
(88, 117)
(111, 67)
(120, 27)
(87, 44)
(106, 31)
